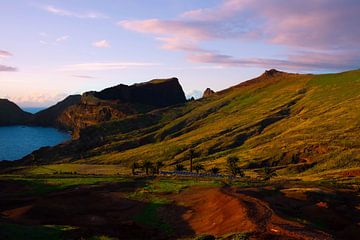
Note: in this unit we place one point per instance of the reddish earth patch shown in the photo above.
(211, 211)
(220, 211)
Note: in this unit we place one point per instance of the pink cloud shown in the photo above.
(320, 26)
(35, 99)
(4, 54)
(167, 28)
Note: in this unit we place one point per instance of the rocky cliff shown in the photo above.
(79, 111)
(11, 114)
(156, 93)
(52, 115)
(119, 102)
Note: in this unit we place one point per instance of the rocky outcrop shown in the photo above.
(156, 93)
(208, 92)
(11, 114)
(52, 115)
(119, 102)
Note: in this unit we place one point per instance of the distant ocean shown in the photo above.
(32, 109)
(19, 141)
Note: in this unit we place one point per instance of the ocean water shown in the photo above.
(33, 109)
(19, 141)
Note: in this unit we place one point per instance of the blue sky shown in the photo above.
(50, 49)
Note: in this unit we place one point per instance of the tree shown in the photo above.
(179, 168)
(191, 155)
(268, 173)
(214, 170)
(147, 165)
(158, 165)
(198, 168)
(234, 169)
(134, 166)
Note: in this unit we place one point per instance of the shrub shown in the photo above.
(179, 168)
(233, 167)
(214, 170)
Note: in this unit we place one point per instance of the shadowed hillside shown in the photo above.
(11, 114)
(51, 116)
(305, 122)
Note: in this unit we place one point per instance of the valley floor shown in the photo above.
(118, 207)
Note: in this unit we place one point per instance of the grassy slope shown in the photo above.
(273, 120)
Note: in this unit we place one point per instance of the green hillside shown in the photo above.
(308, 123)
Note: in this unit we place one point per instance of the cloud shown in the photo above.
(62, 39)
(37, 99)
(307, 61)
(168, 27)
(101, 44)
(327, 28)
(195, 94)
(67, 13)
(83, 76)
(4, 54)
(4, 68)
(99, 66)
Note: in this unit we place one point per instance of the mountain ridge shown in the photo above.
(276, 119)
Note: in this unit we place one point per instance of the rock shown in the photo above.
(272, 72)
(156, 93)
(51, 116)
(113, 103)
(11, 114)
(208, 92)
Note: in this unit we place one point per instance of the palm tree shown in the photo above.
(147, 165)
(191, 156)
(179, 168)
(214, 170)
(198, 168)
(159, 164)
(134, 166)
(234, 169)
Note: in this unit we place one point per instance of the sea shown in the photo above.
(19, 141)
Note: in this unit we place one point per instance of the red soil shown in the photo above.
(220, 211)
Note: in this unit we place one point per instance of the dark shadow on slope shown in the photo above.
(335, 212)
(95, 211)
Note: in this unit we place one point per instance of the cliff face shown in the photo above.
(156, 93)
(51, 115)
(79, 111)
(11, 114)
(119, 102)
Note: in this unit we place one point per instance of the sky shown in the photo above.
(50, 49)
